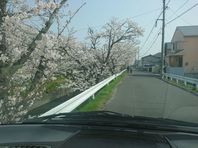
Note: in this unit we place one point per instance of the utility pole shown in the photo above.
(163, 35)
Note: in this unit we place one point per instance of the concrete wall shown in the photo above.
(178, 36)
(190, 55)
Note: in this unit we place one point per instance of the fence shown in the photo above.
(74, 102)
(178, 78)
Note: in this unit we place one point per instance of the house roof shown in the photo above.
(188, 30)
(146, 56)
(158, 55)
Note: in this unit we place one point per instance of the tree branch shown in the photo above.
(68, 21)
(19, 63)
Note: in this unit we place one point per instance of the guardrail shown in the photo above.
(178, 78)
(74, 102)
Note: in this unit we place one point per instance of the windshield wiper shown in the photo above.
(113, 119)
(79, 116)
(108, 118)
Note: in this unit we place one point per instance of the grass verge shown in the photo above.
(188, 87)
(101, 97)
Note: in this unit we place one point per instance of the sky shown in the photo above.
(144, 12)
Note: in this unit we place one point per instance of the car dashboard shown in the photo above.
(75, 136)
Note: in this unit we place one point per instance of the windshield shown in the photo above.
(138, 58)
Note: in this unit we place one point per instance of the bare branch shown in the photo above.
(68, 21)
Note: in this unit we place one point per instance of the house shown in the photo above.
(151, 63)
(181, 54)
(137, 64)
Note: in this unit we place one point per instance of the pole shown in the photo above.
(163, 34)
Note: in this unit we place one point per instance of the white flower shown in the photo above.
(3, 58)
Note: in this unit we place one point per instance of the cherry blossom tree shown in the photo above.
(115, 44)
(31, 54)
(27, 50)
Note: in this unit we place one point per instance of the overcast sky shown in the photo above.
(97, 12)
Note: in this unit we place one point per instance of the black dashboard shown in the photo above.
(75, 136)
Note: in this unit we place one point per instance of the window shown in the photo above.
(176, 61)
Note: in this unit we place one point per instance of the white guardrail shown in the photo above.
(74, 102)
(181, 78)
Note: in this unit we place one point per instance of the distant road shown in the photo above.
(146, 95)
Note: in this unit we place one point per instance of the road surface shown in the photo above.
(143, 95)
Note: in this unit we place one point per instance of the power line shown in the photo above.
(168, 2)
(145, 13)
(179, 8)
(148, 37)
(153, 42)
(153, 26)
(181, 14)
(151, 31)
(135, 16)
(180, 18)
(182, 5)
(155, 39)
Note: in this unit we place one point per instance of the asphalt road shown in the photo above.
(143, 95)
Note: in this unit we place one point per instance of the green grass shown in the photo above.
(53, 85)
(101, 97)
